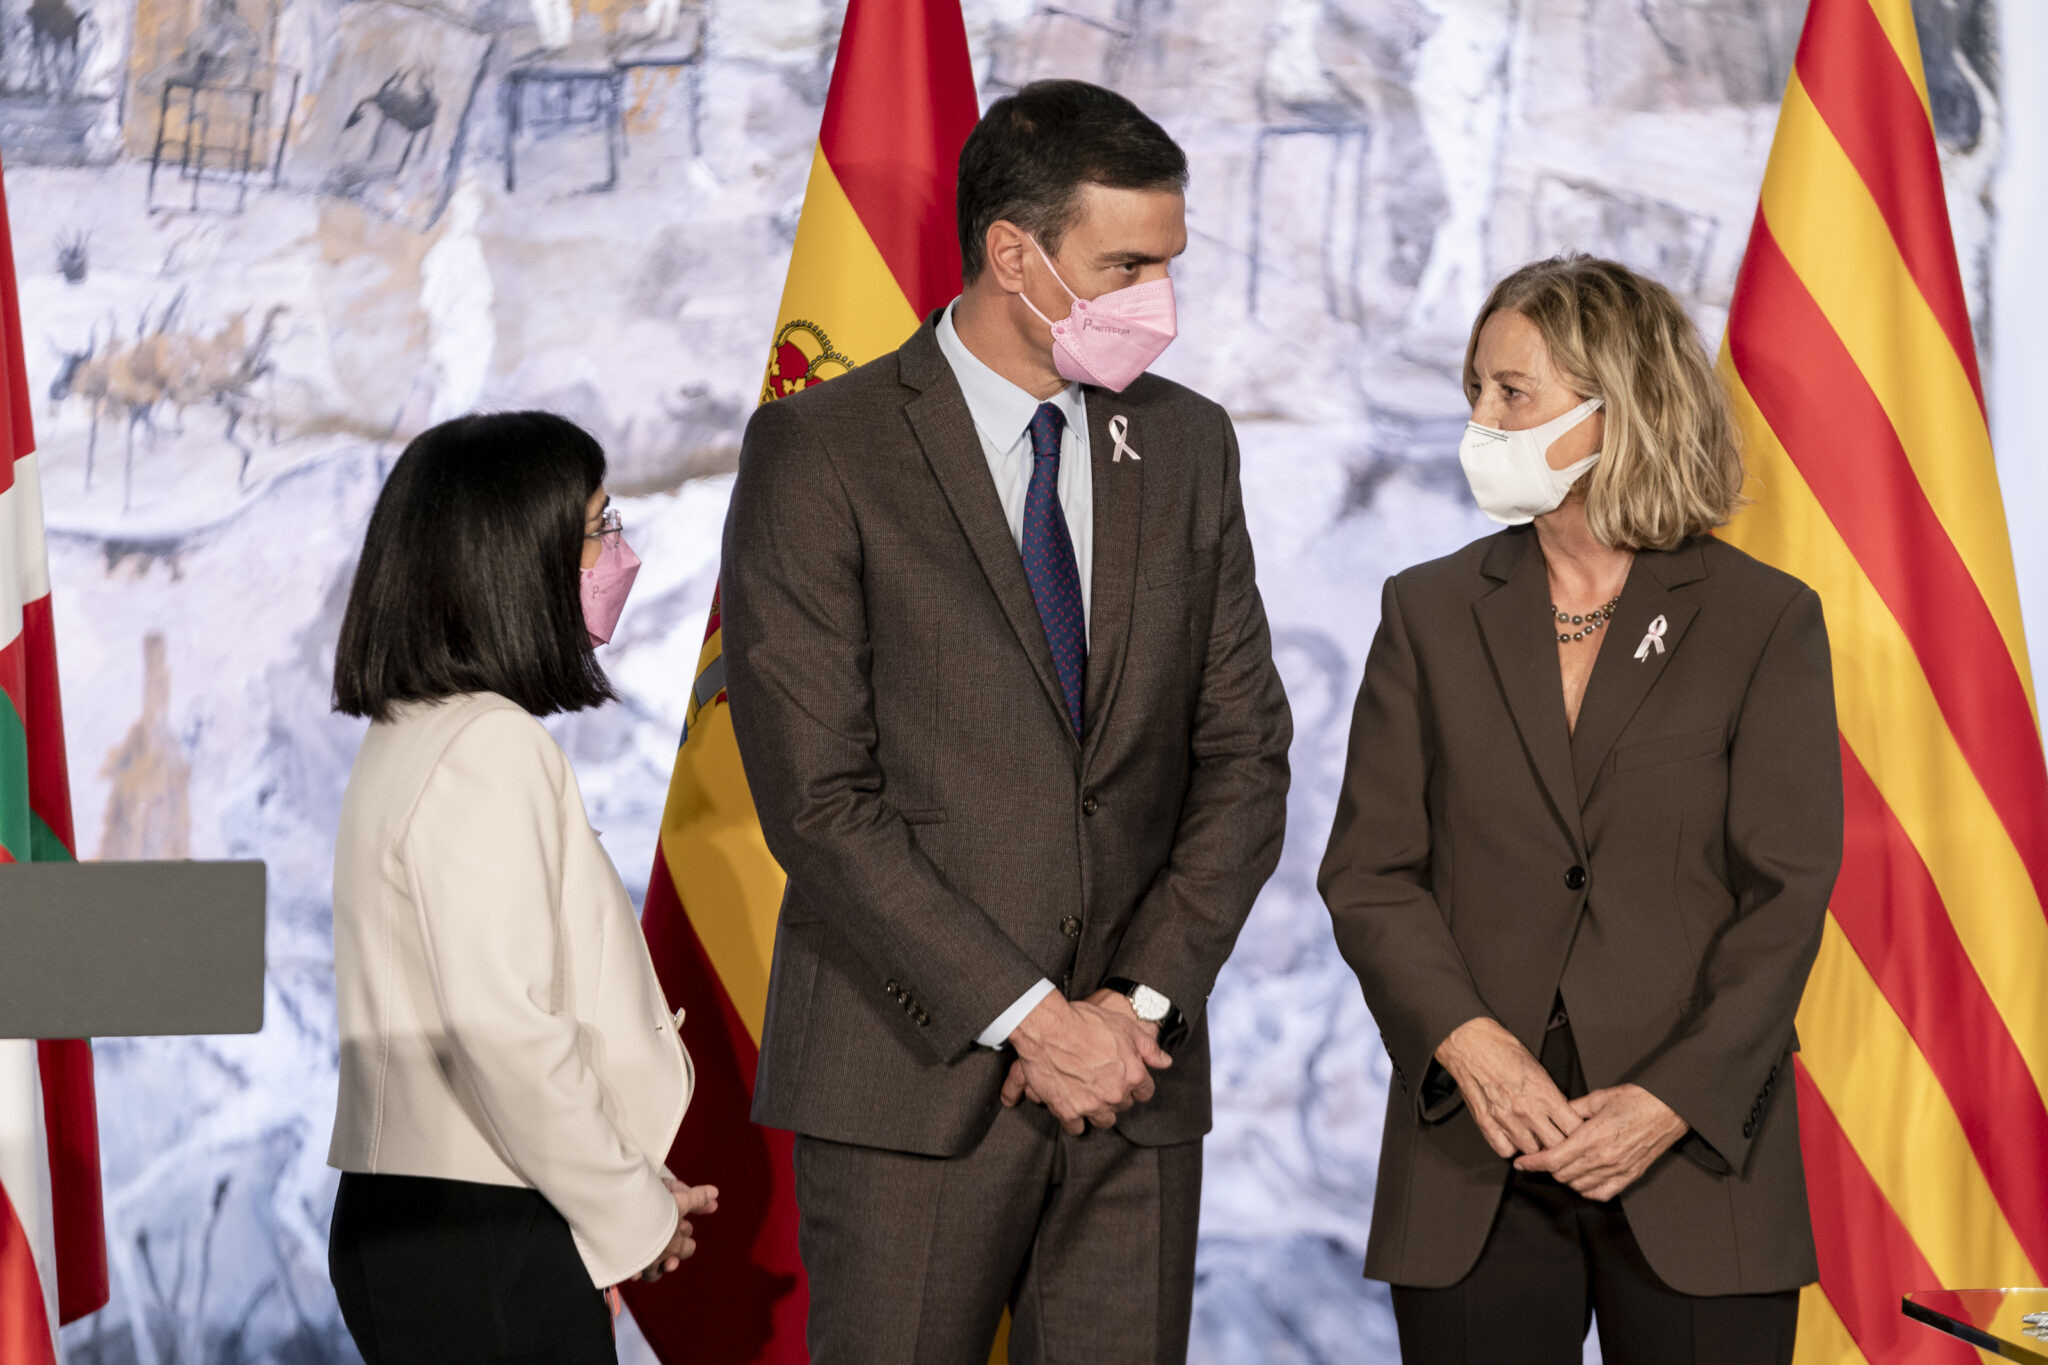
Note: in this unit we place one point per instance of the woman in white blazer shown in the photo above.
(510, 1076)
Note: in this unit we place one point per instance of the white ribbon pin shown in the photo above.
(1118, 426)
(1653, 637)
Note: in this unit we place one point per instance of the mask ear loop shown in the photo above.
(1056, 276)
(1572, 421)
(1566, 422)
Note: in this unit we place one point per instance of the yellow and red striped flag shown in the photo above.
(53, 1251)
(1925, 1025)
(876, 250)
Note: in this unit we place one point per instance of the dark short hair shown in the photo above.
(470, 577)
(1028, 158)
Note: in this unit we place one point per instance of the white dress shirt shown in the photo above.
(1002, 415)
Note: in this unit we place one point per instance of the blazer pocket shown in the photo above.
(1647, 753)
(928, 815)
(1159, 573)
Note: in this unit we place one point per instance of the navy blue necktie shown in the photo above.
(1049, 560)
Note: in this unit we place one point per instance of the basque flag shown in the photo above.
(53, 1248)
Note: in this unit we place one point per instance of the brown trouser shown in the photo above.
(1556, 1261)
(1089, 1241)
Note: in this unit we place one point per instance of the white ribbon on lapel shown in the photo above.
(1654, 636)
(1118, 425)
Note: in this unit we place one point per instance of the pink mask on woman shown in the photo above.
(605, 586)
(1113, 338)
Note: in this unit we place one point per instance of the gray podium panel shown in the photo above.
(106, 950)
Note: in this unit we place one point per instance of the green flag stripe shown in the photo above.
(43, 844)
(14, 812)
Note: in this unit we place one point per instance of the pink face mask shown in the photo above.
(605, 586)
(1113, 338)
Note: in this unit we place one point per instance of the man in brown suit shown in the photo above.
(1004, 690)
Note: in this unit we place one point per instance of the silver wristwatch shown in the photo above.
(1151, 1006)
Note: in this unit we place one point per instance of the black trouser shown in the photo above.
(443, 1272)
(1556, 1260)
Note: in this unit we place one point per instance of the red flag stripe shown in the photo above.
(71, 1118)
(24, 1319)
(14, 676)
(1867, 1258)
(17, 430)
(752, 1270)
(1867, 98)
(1888, 907)
(885, 149)
(1821, 408)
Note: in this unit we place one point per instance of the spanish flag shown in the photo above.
(53, 1250)
(876, 250)
(1925, 1025)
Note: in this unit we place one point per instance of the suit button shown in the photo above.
(1088, 806)
(1749, 1129)
(1575, 878)
(1071, 927)
(922, 1018)
(893, 989)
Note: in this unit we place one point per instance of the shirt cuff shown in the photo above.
(998, 1033)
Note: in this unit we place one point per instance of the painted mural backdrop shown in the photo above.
(262, 242)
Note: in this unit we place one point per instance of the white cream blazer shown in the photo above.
(500, 1017)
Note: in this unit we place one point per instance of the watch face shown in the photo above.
(1152, 1007)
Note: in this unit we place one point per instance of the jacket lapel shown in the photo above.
(1514, 623)
(1620, 679)
(1118, 486)
(939, 418)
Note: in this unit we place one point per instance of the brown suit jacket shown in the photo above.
(1665, 868)
(947, 838)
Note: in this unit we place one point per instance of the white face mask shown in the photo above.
(1509, 472)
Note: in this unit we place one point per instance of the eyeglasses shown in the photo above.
(609, 527)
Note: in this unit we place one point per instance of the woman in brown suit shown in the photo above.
(1590, 821)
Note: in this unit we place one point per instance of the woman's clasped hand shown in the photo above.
(682, 1244)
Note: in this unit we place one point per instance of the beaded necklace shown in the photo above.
(1588, 623)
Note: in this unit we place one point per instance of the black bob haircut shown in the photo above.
(470, 579)
(1027, 159)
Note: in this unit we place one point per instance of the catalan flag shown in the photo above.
(53, 1252)
(876, 250)
(1925, 1025)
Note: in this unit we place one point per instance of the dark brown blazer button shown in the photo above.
(1071, 927)
(1088, 806)
(923, 1019)
(894, 989)
(1575, 878)
(1749, 1129)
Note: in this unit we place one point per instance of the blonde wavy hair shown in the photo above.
(1670, 466)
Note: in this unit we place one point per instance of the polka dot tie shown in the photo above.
(1049, 560)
